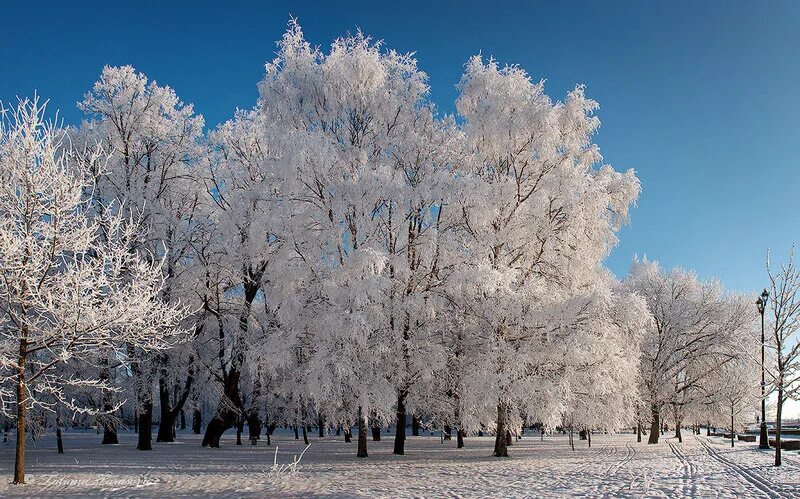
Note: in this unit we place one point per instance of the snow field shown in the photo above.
(615, 466)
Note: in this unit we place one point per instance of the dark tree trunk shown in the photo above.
(230, 406)
(376, 432)
(638, 431)
(338, 430)
(778, 426)
(296, 431)
(500, 443)
(582, 435)
(109, 433)
(22, 412)
(708, 429)
(509, 440)
(254, 427)
(678, 434)
(183, 419)
(362, 434)
(348, 435)
(169, 413)
(414, 426)
(239, 430)
(305, 434)
(655, 425)
(460, 438)
(448, 432)
(589, 437)
(321, 423)
(59, 440)
(109, 428)
(228, 411)
(197, 420)
(166, 424)
(146, 426)
(400, 430)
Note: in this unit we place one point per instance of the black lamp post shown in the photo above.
(763, 441)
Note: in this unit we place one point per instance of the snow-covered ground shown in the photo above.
(615, 465)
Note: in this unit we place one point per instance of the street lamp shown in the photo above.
(763, 441)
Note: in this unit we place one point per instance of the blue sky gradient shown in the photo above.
(698, 97)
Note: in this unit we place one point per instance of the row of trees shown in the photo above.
(343, 254)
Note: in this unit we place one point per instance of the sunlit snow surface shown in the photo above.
(615, 466)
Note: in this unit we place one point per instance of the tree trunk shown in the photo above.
(733, 432)
(414, 426)
(362, 434)
(146, 426)
(678, 434)
(59, 440)
(166, 425)
(459, 424)
(448, 432)
(400, 430)
(589, 437)
(239, 430)
(778, 425)
(321, 422)
(228, 411)
(22, 411)
(230, 406)
(509, 440)
(296, 431)
(500, 444)
(708, 429)
(183, 419)
(109, 428)
(638, 431)
(169, 413)
(376, 431)
(655, 426)
(305, 434)
(167, 418)
(348, 435)
(254, 427)
(109, 434)
(197, 417)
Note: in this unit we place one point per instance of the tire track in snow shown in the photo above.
(689, 471)
(594, 458)
(630, 452)
(752, 478)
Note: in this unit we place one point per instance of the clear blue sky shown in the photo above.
(698, 97)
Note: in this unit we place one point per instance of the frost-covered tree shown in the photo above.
(600, 395)
(735, 389)
(155, 141)
(70, 285)
(371, 168)
(537, 221)
(245, 180)
(689, 339)
(784, 339)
